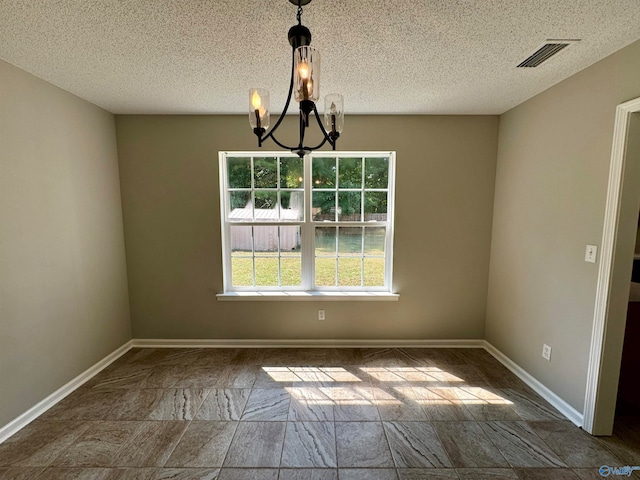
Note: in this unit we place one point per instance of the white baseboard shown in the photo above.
(563, 407)
(34, 412)
(298, 343)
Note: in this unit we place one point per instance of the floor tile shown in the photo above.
(353, 403)
(98, 445)
(573, 445)
(86, 404)
(188, 474)
(73, 474)
(162, 356)
(18, 473)
(267, 404)
(310, 404)
(39, 443)
(381, 357)
(415, 445)
(309, 444)
(362, 444)
(151, 445)
(399, 403)
(237, 376)
(134, 404)
(204, 444)
(442, 404)
(126, 376)
(256, 444)
(546, 473)
(530, 407)
(487, 474)
(223, 404)
(367, 474)
(468, 446)
(177, 404)
(520, 445)
(163, 376)
(308, 474)
(248, 474)
(427, 474)
(211, 357)
(131, 473)
(200, 377)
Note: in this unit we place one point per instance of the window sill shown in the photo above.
(272, 296)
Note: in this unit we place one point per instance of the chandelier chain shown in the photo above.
(299, 15)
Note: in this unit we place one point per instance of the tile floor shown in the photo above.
(309, 414)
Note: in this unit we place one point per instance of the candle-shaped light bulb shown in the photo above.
(256, 101)
(259, 108)
(333, 111)
(303, 69)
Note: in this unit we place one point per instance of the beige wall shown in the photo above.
(551, 183)
(63, 284)
(444, 201)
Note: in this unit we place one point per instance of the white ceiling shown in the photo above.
(384, 56)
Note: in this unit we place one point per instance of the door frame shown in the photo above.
(599, 407)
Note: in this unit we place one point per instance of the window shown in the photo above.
(319, 223)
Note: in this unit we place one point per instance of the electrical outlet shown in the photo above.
(546, 352)
(321, 315)
(590, 253)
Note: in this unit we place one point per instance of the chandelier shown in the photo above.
(305, 88)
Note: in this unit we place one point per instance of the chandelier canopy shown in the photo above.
(305, 89)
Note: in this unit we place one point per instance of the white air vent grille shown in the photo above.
(545, 52)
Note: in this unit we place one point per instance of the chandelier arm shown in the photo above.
(281, 145)
(326, 136)
(286, 105)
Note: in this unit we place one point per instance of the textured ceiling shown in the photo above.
(384, 56)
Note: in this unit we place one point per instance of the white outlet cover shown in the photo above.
(546, 352)
(591, 253)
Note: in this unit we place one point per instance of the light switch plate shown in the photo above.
(591, 253)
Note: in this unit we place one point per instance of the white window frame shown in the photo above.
(307, 290)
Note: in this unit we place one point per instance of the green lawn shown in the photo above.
(349, 271)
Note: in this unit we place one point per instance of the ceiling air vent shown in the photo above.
(545, 52)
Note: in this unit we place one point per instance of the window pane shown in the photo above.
(241, 261)
(239, 172)
(266, 271)
(265, 172)
(374, 272)
(291, 270)
(291, 172)
(291, 205)
(325, 272)
(350, 173)
(325, 241)
(374, 239)
(241, 272)
(349, 272)
(375, 206)
(240, 206)
(349, 206)
(350, 241)
(266, 203)
(324, 206)
(265, 240)
(324, 172)
(376, 172)
(241, 241)
(290, 240)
